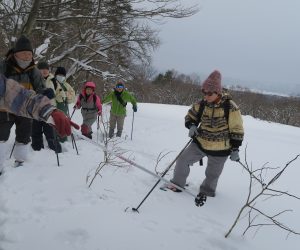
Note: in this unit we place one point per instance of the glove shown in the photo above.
(48, 92)
(62, 123)
(193, 131)
(84, 129)
(234, 155)
(134, 108)
(200, 200)
(99, 113)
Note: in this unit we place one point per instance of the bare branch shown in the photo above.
(254, 213)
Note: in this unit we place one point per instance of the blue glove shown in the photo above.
(134, 107)
(193, 131)
(234, 155)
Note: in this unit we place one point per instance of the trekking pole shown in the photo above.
(163, 174)
(56, 143)
(72, 113)
(72, 135)
(12, 150)
(132, 124)
(98, 127)
(74, 143)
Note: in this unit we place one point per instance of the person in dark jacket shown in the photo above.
(40, 127)
(21, 102)
(19, 65)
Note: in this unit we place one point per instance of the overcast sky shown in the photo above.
(255, 40)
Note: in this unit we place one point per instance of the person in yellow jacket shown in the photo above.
(64, 93)
(213, 134)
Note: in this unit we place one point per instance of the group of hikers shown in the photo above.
(20, 66)
(36, 102)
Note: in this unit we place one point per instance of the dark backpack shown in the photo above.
(94, 98)
(225, 106)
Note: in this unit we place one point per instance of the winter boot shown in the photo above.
(37, 147)
(21, 152)
(3, 148)
(119, 133)
(55, 146)
(111, 133)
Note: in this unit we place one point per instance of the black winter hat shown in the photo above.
(23, 44)
(61, 71)
(43, 65)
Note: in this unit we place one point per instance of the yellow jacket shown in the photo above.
(217, 135)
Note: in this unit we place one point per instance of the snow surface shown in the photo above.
(43, 206)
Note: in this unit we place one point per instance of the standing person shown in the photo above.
(119, 98)
(19, 65)
(26, 103)
(64, 93)
(216, 126)
(40, 127)
(90, 105)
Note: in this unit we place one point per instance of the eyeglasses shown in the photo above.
(120, 87)
(208, 93)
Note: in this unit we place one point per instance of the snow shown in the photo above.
(43, 206)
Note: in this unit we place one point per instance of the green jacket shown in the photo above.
(116, 107)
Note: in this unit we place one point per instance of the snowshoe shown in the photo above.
(200, 199)
(18, 164)
(171, 187)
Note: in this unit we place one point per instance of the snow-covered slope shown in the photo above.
(43, 206)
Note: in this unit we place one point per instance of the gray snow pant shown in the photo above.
(89, 116)
(113, 121)
(213, 170)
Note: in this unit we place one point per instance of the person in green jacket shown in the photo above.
(118, 98)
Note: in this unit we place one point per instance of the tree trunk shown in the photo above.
(30, 23)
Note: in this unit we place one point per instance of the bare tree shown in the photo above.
(101, 37)
(266, 191)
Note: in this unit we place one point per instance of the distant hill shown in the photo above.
(291, 89)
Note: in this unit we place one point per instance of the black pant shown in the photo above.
(40, 127)
(23, 127)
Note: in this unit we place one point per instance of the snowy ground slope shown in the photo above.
(43, 206)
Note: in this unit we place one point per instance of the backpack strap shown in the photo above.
(94, 98)
(121, 100)
(201, 109)
(54, 83)
(226, 107)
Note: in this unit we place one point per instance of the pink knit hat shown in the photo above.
(213, 83)
(91, 85)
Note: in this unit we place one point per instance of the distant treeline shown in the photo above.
(285, 110)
